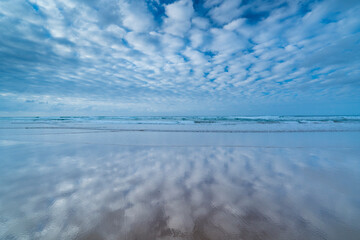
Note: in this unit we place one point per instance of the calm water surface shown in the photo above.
(74, 187)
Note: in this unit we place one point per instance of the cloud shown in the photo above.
(200, 22)
(226, 11)
(136, 16)
(213, 52)
(178, 17)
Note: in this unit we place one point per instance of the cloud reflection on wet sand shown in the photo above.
(108, 192)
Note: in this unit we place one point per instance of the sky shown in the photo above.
(153, 57)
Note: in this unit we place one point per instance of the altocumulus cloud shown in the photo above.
(179, 57)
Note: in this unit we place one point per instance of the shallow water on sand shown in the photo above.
(84, 187)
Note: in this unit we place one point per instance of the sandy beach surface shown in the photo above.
(122, 181)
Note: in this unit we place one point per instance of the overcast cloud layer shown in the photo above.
(122, 57)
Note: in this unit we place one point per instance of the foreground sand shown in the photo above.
(77, 184)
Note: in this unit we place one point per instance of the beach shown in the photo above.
(180, 178)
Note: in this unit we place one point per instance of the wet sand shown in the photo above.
(71, 184)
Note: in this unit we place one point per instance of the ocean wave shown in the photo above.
(185, 120)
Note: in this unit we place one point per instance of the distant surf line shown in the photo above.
(96, 130)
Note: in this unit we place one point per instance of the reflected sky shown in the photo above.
(94, 191)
